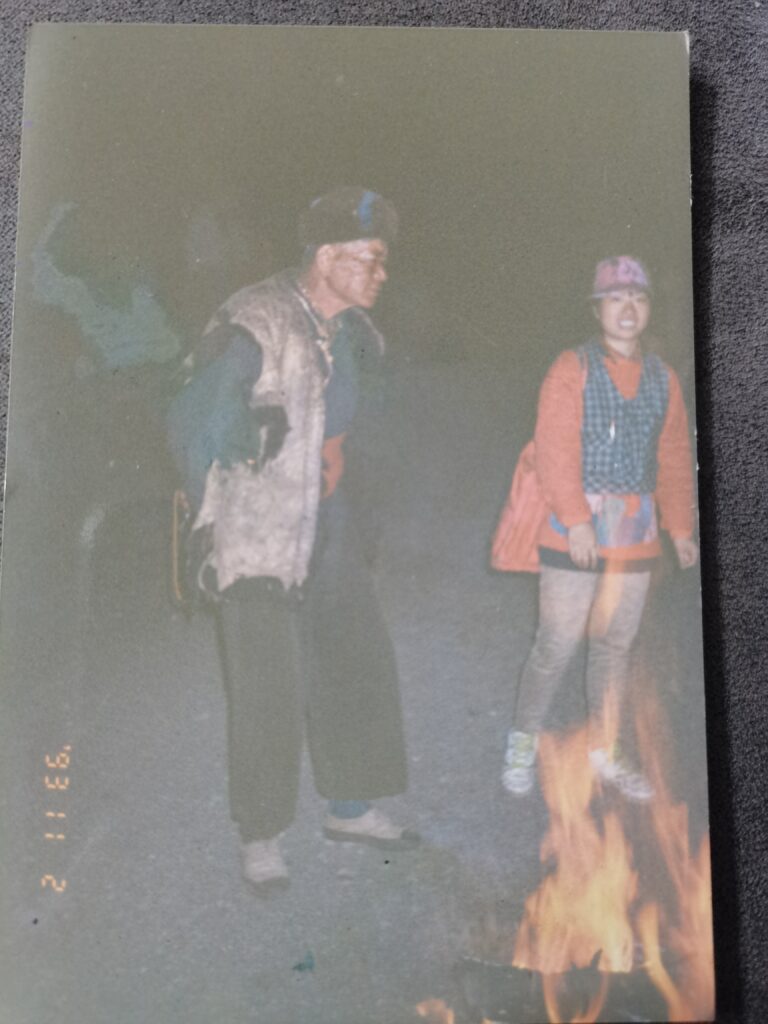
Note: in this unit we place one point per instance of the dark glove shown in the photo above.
(271, 423)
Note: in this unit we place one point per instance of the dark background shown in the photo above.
(728, 136)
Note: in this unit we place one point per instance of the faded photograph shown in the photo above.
(350, 609)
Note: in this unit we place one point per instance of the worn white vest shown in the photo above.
(264, 520)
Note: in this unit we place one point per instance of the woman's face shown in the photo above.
(623, 315)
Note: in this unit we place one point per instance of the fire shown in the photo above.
(693, 997)
(436, 1011)
(585, 911)
(689, 926)
(593, 910)
(580, 913)
(554, 987)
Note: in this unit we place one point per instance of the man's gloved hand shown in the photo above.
(201, 574)
(272, 424)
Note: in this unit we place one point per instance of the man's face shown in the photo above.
(355, 271)
(623, 314)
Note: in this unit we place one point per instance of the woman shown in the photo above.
(611, 445)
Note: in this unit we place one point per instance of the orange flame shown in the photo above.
(436, 1011)
(689, 926)
(553, 986)
(583, 913)
(580, 913)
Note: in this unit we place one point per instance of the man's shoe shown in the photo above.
(519, 762)
(263, 865)
(614, 770)
(372, 828)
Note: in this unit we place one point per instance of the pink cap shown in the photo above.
(617, 273)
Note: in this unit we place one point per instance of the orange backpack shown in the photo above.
(515, 546)
(515, 542)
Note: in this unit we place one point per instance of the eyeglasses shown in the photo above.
(369, 264)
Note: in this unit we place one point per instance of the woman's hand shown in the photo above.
(687, 551)
(582, 545)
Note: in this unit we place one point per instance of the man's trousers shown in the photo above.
(321, 659)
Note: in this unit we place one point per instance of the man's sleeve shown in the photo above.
(558, 440)
(227, 432)
(674, 484)
(240, 349)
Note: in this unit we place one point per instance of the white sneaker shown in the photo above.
(373, 828)
(519, 762)
(614, 770)
(263, 864)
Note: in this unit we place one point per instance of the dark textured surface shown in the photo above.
(730, 143)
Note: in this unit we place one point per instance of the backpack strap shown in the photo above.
(583, 355)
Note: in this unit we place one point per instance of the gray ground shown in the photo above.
(155, 923)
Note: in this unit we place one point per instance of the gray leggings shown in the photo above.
(607, 607)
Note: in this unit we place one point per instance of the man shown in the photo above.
(300, 632)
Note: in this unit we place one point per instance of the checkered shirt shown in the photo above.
(619, 436)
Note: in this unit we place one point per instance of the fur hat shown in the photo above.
(346, 215)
